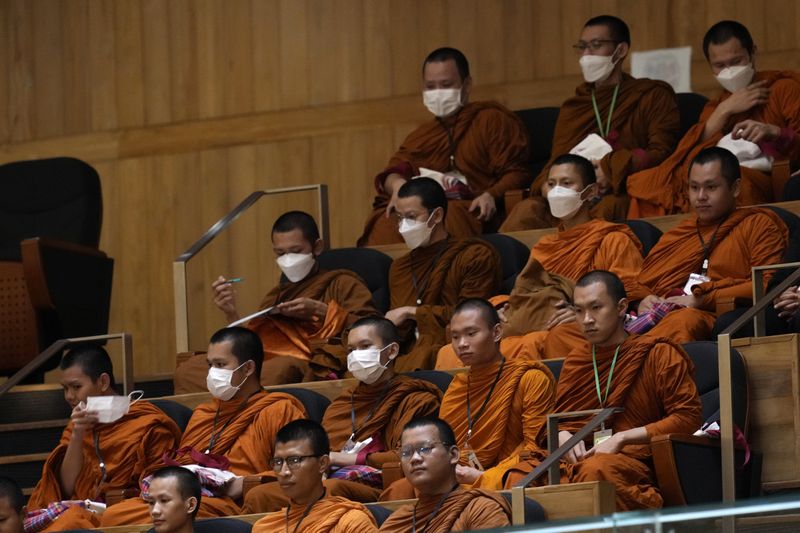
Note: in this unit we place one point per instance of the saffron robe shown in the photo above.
(515, 412)
(556, 262)
(663, 190)
(131, 449)
(348, 299)
(329, 515)
(462, 510)
(405, 399)
(653, 381)
(247, 441)
(644, 130)
(447, 272)
(490, 148)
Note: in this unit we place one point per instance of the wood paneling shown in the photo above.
(186, 106)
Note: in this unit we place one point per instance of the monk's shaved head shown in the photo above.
(617, 29)
(729, 165)
(245, 345)
(582, 166)
(484, 307)
(384, 327)
(187, 482)
(725, 30)
(10, 491)
(612, 283)
(429, 192)
(440, 55)
(446, 434)
(299, 430)
(297, 220)
(92, 360)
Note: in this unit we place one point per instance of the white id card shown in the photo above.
(472, 458)
(601, 436)
(694, 279)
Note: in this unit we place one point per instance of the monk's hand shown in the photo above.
(746, 98)
(603, 183)
(754, 131)
(401, 314)
(613, 444)
(648, 302)
(485, 207)
(577, 452)
(233, 487)
(343, 459)
(788, 303)
(562, 315)
(82, 420)
(303, 309)
(466, 475)
(225, 298)
(686, 300)
(391, 185)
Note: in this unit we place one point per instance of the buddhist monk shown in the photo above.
(234, 432)
(496, 408)
(651, 378)
(477, 150)
(538, 303)
(622, 124)
(175, 495)
(109, 443)
(758, 112)
(12, 507)
(429, 456)
(309, 307)
(377, 409)
(438, 272)
(301, 460)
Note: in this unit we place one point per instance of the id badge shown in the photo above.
(601, 436)
(472, 458)
(694, 279)
(350, 445)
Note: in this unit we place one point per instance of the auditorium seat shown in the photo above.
(180, 414)
(219, 525)
(371, 265)
(690, 105)
(314, 402)
(379, 513)
(540, 124)
(534, 512)
(53, 279)
(647, 234)
(513, 258)
(437, 377)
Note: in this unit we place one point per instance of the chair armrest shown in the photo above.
(391, 472)
(781, 171)
(250, 482)
(117, 495)
(513, 197)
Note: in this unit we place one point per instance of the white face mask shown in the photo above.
(219, 384)
(734, 78)
(442, 102)
(596, 68)
(564, 202)
(296, 266)
(366, 364)
(111, 408)
(415, 233)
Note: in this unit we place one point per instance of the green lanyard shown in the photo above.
(597, 376)
(604, 133)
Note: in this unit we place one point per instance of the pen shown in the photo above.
(234, 280)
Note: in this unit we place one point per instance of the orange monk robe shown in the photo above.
(663, 190)
(348, 299)
(329, 515)
(446, 272)
(131, 449)
(405, 399)
(569, 254)
(247, 441)
(491, 151)
(515, 412)
(653, 382)
(644, 130)
(462, 510)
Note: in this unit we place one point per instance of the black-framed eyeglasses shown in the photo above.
(594, 45)
(406, 452)
(293, 462)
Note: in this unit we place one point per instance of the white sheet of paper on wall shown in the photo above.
(672, 65)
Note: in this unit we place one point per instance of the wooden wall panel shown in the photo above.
(186, 106)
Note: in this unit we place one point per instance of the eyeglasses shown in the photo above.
(594, 45)
(412, 218)
(292, 462)
(406, 452)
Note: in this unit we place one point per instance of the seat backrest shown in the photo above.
(555, 366)
(704, 355)
(690, 105)
(534, 512)
(371, 265)
(219, 525)
(437, 377)
(647, 234)
(379, 513)
(314, 402)
(58, 198)
(179, 413)
(540, 123)
(513, 257)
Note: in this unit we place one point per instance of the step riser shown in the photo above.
(21, 442)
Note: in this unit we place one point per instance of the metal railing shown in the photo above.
(59, 345)
(179, 265)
